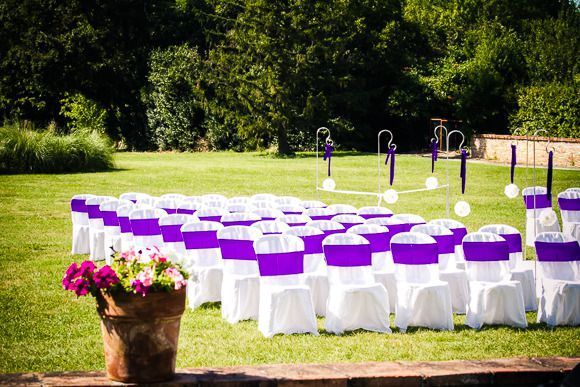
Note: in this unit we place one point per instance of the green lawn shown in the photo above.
(44, 328)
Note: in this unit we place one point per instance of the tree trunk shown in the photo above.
(283, 146)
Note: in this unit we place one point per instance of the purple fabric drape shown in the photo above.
(379, 241)
(313, 243)
(513, 163)
(557, 252)
(195, 240)
(414, 253)
(328, 155)
(540, 201)
(391, 155)
(373, 216)
(463, 172)
(239, 223)
(171, 233)
(434, 144)
(281, 263)
(486, 251)
(94, 211)
(549, 175)
(514, 242)
(445, 243)
(569, 204)
(213, 218)
(145, 227)
(185, 211)
(125, 224)
(458, 234)
(110, 218)
(237, 249)
(348, 255)
(78, 205)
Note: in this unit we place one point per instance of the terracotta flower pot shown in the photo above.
(140, 335)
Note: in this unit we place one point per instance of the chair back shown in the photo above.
(445, 243)
(268, 227)
(173, 196)
(145, 227)
(294, 220)
(486, 257)
(569, 203)
(237, 249)
(512, 237)
(289, 209)
(378, 237)
(371, 212)
(240, 207)
(415, 256)
(348, 220)
(313, 255)
(268, 213)
(312, 204)
(319, 213)
(264, 197)
(262, 204)
(339, 209)
(239, 200)
(280, 259)
(287, 201)
(328, 227)
(214, 200)
(459, 231)
(239, 219)
(349, 259)
(211, 214)
(188, 207)
(109, 211)
(131, 196)
(535, 198)
(79, 209)
(201, 243)
(145, 200)
(558, 256)
(170, 226)
(409, 220)
(95, 215)
(166, 204)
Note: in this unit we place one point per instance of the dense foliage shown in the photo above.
(245, 74)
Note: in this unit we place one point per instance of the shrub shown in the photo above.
(552, 106)
(83, 113)
(30, 151)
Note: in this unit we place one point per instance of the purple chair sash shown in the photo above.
(239, 223)
(330, 232)
(486, 251)
(414, 253)
(445, 243)
(171, 233)
(186, 211)
(379, 241)
(125, 224)
(291, 212)
(348, 255)
(514, 242)
(267, 218)
(396, 228)
(321, 217)
(281, 263)
(372, 216)
(94, 211)
(110, 218)
(195, 240)
(349, 225)
(458, 234)
(408, 226)
(216, 218)
(313, 243)
(144, 227)
(557, 252)
(569, 204)
(541, 201)
(78, 205)
(170, 210)
(237, 249)
(296, 224)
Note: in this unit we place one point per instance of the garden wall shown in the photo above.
(497, 148)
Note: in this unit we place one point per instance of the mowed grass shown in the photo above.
(44, 328)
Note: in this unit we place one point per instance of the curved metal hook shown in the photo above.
(515, 133)
(390, 143)
(435, 132)
(462, 137)
(322, 128)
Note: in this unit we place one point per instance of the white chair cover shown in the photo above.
(459, 231)
(559, 263)
(145, 228)
(535, 202)
(314, 265)
(312, 204)
(316, 213)
(267, 213)
(287, 201)
(327, 226)
(240, 293)
(493, 297)
(264, 197)
(422, 298)
(573, 189)
(519, 271)
(112, 236)
(374, 212)
(382, 260)
(96, 227)
(448, 271)
(339, 209)
(192, 199)
(170, 226)
(263, 204)
(126, 237)
(145, 200)
(166, 204)
(188, 207)
(348, 220)
(240, 207)
(288, 209)
(285, 301)
(173, 196)
(204, 262)
(80, 223)
(569, 203)
(131, 196)
(239, 219)
(294, 220)
(268, 227)
(355, 299)
(214, 200)
(211, 214)
(239, 200)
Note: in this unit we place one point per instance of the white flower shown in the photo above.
(462, 208)
(329, 184)
(391, 196)
(431, 182)
(548, 217)
(511, 191)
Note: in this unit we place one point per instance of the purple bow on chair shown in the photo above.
(513, 163)
(391, 155)
(549, 176)
(463, 172)
(328, 148)
(433, 154)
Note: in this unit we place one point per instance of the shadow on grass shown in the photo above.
(312, 155)
(109, 170)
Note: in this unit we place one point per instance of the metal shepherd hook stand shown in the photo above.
(447, 164)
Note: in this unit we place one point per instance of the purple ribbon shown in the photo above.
(379, 241)
(110, 218)
(171, 233)
(239, 223)
(486, 251)
(296, 224)
(348, 255)
(445, 243)
(433, 154)
(514, 242)
(569, 204)
(373, 216)
(330, 232)
(185, 211)
(391, 155)
(291, 212)
(549, 176)
(144, 227)
(541, 201)
(195, 240)
(125, 224)
(313, 243)
(458, 234)
(463, 172)
(557, 252)
(328, 154)
(348, 225)
(321, 217)
(281, 263)
(170, 210)
(212, 218)
(513, 164)
(414, 253)
(395, 229)
(237, 249)
(94, 211)
(78, 205)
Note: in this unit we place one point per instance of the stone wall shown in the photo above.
(497, 148)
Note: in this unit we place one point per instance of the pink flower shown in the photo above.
(177, 277)
(145, 276)
(139, 288)
(69, 276)
(87, 268)
(81, 287)
(105, 277)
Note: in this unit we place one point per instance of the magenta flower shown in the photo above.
(87, 268)
(140, 288)
(81, 286)
(105, 277)
(69, 276)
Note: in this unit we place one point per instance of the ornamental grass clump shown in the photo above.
(137, 272)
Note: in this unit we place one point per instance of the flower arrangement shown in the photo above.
(139, 272)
